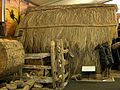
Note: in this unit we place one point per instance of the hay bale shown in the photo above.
(83, 26)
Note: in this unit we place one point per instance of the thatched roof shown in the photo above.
(86, 11)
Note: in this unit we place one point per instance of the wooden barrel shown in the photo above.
(11, 56)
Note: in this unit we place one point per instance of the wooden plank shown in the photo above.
(36, 67)
(36, 55)
(11, 56)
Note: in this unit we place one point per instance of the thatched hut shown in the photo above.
(82, 26)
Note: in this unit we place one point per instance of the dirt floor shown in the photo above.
(73, 85)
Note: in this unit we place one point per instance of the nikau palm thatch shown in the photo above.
(81, 27)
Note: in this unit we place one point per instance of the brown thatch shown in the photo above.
(83, 26)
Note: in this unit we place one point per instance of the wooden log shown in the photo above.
(53, 64)
(11, 56)
(29, 84)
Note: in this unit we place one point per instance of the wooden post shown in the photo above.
(53, 64)
(21, 72)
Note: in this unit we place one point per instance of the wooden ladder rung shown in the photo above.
(66, 75)
(65, 51)
(65, 83)
(36, 55)
(66, 62)
(36, 67)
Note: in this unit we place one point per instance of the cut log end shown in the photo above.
(11, 56)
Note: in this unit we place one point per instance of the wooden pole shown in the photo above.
(53, 64)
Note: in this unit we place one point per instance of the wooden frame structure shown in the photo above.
(60, 74)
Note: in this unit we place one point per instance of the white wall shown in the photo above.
(115, 2)
(64, 2)
(67, 2)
